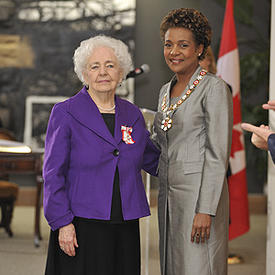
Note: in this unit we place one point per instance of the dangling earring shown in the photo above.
(87, 87)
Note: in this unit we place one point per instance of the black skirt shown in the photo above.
(105, 248)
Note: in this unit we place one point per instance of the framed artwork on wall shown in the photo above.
(37, 113)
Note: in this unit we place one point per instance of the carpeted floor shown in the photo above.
(18, 256)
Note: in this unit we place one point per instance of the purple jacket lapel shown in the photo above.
(83, 109)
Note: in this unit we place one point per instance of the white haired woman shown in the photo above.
(96, 146)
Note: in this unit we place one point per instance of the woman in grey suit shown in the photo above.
(193, 128)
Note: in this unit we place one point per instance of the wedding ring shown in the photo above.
(198, 235)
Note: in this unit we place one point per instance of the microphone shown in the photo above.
(144, 68)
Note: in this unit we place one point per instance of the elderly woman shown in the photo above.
(193, 128)
(95, 148)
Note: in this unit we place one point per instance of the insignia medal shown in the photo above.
(126, 134)
(167, 121)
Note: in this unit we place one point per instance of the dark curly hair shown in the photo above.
(192, 20)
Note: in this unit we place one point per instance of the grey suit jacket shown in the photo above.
(192, 175)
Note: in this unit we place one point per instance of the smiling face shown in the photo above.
(181, 51)
(103, 73)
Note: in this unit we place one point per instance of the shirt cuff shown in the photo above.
(67, 219)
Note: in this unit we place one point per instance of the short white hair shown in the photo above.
(84, 51)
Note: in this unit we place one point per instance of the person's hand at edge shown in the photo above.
(270, 105)
(259, 134)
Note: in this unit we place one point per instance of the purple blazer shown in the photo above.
(81, 157)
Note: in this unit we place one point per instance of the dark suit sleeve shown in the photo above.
(271, 146)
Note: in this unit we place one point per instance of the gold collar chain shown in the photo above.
(167, 122)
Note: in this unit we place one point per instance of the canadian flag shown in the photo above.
(228, 68)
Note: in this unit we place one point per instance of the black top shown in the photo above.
(116, 210)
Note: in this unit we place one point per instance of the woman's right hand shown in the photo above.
(67, 239)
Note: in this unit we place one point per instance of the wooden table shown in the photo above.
(26, 163)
